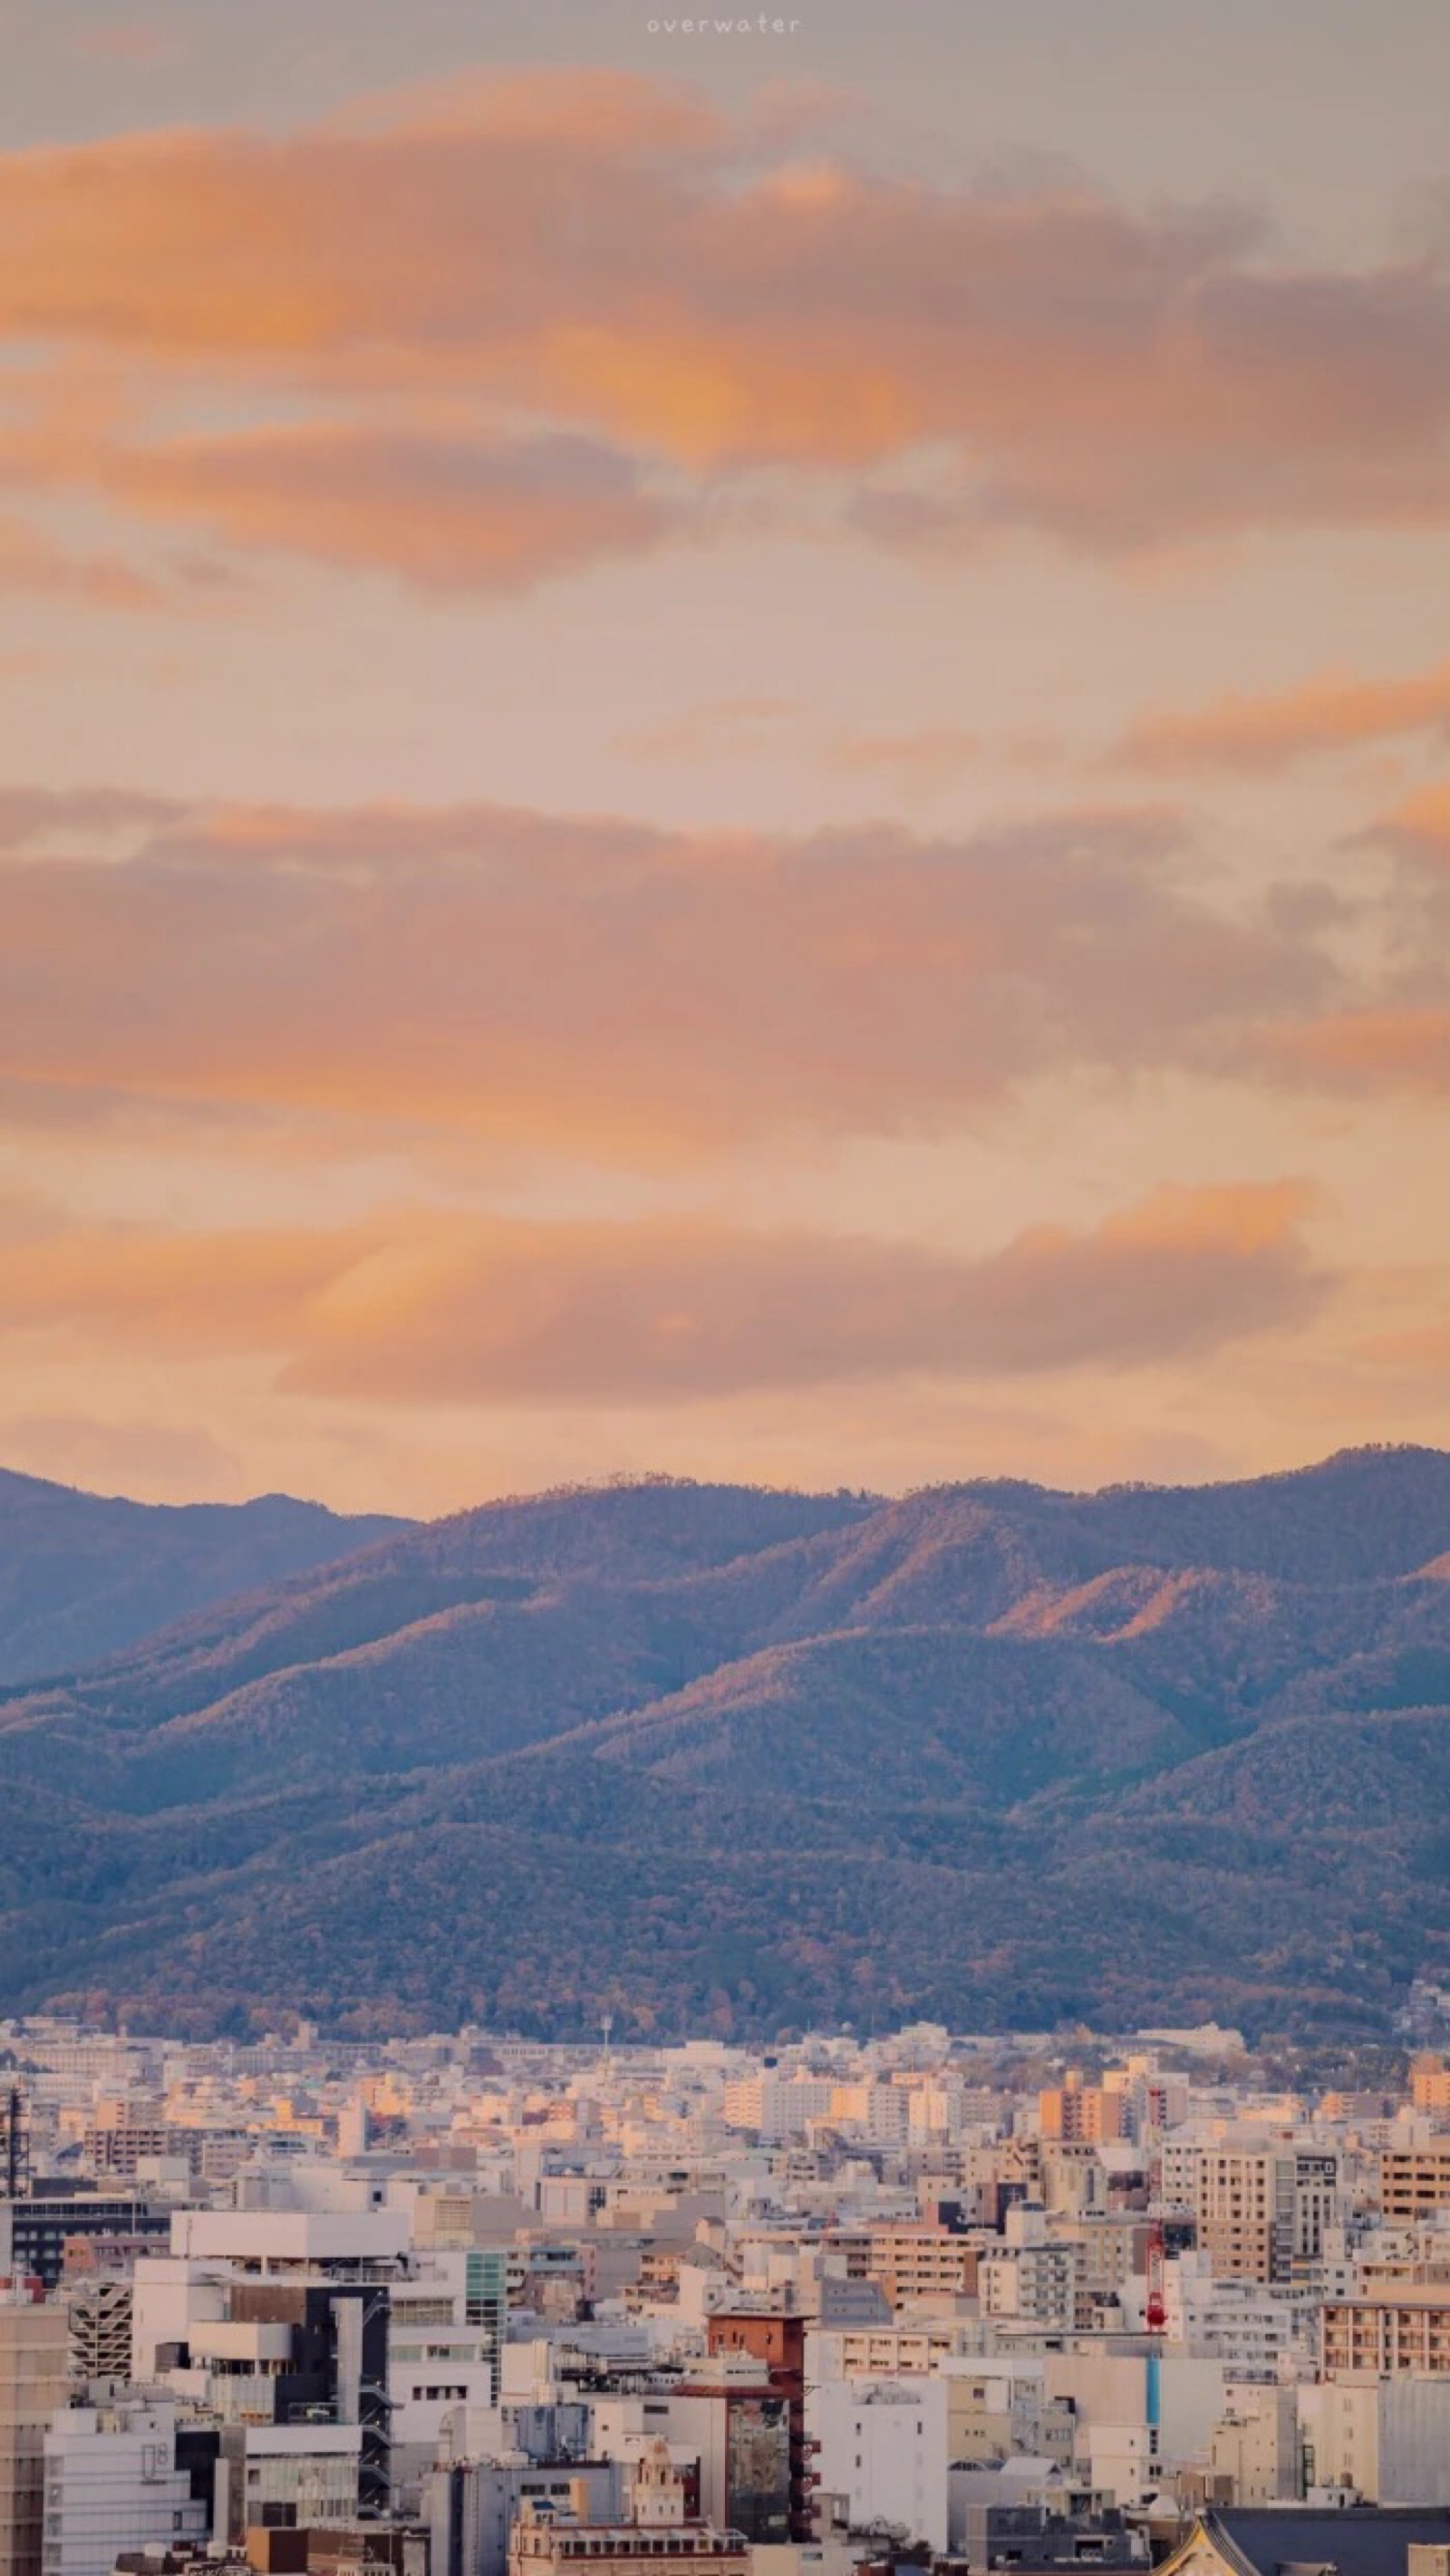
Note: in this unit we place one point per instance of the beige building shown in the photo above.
(34, 2385)
(1259, 2211)
(1090, 2113)
(120, 2139)
(1111, 2254)
(910, 2262)
(1430, 2083)
(1402, 2329)
(880, 2352)
(1414, 2181)
(1254, 2449)
(660, 2539)
(1388, 2439)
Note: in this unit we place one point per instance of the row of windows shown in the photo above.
(631, 2544)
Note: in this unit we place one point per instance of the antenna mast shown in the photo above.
(14, 2145)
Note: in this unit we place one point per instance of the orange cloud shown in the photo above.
(677, 1309)
(1419, 827)
(1261, 735)
(609, 256)
(598, 113)
(606, 988)
(1398, 1048)
(192, 1294)
(447, 513)
(431, 1308)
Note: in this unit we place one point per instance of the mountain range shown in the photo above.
(712, 1757)
(86, 1575)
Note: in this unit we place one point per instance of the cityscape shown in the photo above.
(724, 1305)
(464, 2303)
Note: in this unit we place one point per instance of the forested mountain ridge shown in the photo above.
(720, 1757)
(87, 1575)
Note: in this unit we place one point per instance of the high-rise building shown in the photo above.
(34, 2384)
(1258, 2211)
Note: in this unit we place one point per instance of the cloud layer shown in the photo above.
(346, 1136)
(608, 989)
(678, 296)
(428, 1309)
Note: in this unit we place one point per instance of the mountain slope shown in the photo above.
(715, 1755)
(83, 1576)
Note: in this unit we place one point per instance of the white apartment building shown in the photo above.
(273, 2241)
(177, 2302)
(1034, 2280)
(444, 2353)
(112, 2483)
(1253, 2330)
(884, 2447)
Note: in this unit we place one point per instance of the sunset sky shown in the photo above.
(721, 753)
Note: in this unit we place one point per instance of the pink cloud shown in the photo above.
(609, 989)
(608, 255)
(427, 1308)
(1260, 735)
(448, 513)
